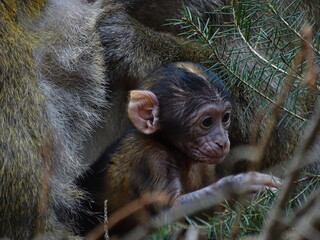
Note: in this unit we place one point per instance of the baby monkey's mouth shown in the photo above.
(209, 157)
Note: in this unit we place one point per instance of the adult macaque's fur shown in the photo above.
(52, 92)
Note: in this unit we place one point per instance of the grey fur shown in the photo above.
(71, 74)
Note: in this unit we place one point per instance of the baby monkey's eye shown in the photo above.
(207, 122)
(226, 117)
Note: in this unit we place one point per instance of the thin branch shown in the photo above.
(177, 212)
(126, 211)
(272, 119)
(275, 227)
(305, 208)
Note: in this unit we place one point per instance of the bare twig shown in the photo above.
(126, 211)
(305, 209)
(275, 227)
(177, 212)
(276, 110)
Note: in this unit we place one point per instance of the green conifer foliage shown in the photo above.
(254, 50)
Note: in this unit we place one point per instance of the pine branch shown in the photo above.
(283, 21)
(202, 34)
(252, 49)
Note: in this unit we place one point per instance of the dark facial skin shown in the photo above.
(208, 129)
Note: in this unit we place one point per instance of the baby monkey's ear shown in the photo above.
(143, 110)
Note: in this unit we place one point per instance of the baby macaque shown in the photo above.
(181, 114)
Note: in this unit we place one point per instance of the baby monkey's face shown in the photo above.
(207, 138)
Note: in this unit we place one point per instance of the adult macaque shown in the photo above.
(181, 117)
